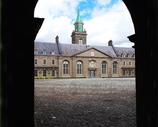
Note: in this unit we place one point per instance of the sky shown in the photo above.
(103, 20)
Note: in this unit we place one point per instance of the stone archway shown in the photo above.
(19, 28)
(144, 18)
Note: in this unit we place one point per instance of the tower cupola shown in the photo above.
(79, 35)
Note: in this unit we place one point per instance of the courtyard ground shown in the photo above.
(98, 102)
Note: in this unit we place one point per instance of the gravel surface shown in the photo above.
(105, 102)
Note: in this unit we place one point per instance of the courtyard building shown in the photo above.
(79, 60)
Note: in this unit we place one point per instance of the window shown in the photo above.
(133, 55)
(52, 53)
(44, 52)
(104, 67)
(53, 72)
(124, 72)
(124, 63)
(80, 41)
(52, 61)
(130, 63)
(44, 72)
(79, 67)
(35, 61)
(115, 68)
(35, 73)
(36, 52)
(65, 67)
(44, 61)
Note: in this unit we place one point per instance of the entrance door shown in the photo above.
(91, 73)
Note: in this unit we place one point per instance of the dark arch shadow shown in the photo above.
(19, 28)
(144, 18)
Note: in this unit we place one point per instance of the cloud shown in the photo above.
(105, 23)
(103, 2)
(60, 26)
(110, 24)
(55, 8)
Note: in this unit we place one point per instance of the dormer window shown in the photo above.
(52, 53)
(43, 52)
(35, 52)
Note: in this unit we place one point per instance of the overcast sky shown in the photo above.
(104, 20)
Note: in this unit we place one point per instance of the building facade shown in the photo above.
(79, 60)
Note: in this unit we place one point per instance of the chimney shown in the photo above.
(57, 39)
(110, 43)
(58, 45)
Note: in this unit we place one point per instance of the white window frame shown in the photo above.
(79, 67)
(104, 67)
(65, 67)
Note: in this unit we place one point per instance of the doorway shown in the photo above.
(91, 73)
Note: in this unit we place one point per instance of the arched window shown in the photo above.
(114, 67)
(65, 67)
(79, 67)
(104, 67)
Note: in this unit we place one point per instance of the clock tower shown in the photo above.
(79, 35)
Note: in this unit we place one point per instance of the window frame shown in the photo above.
(35, 61)
(104, 67)
(115, 68)
(53, 73)
(65, 67)
(53, 62)
(44, 62)
(44, 73)
(79, 67)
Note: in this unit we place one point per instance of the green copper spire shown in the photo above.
(78, 19)
(78, 24)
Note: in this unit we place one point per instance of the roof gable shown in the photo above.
(91, 52)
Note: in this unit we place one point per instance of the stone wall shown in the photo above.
(122, 63)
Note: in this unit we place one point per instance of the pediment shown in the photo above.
(91, 53)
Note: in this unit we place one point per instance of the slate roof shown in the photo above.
(48, 48)
(71, 49)
(122, 51)
(44, 48)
